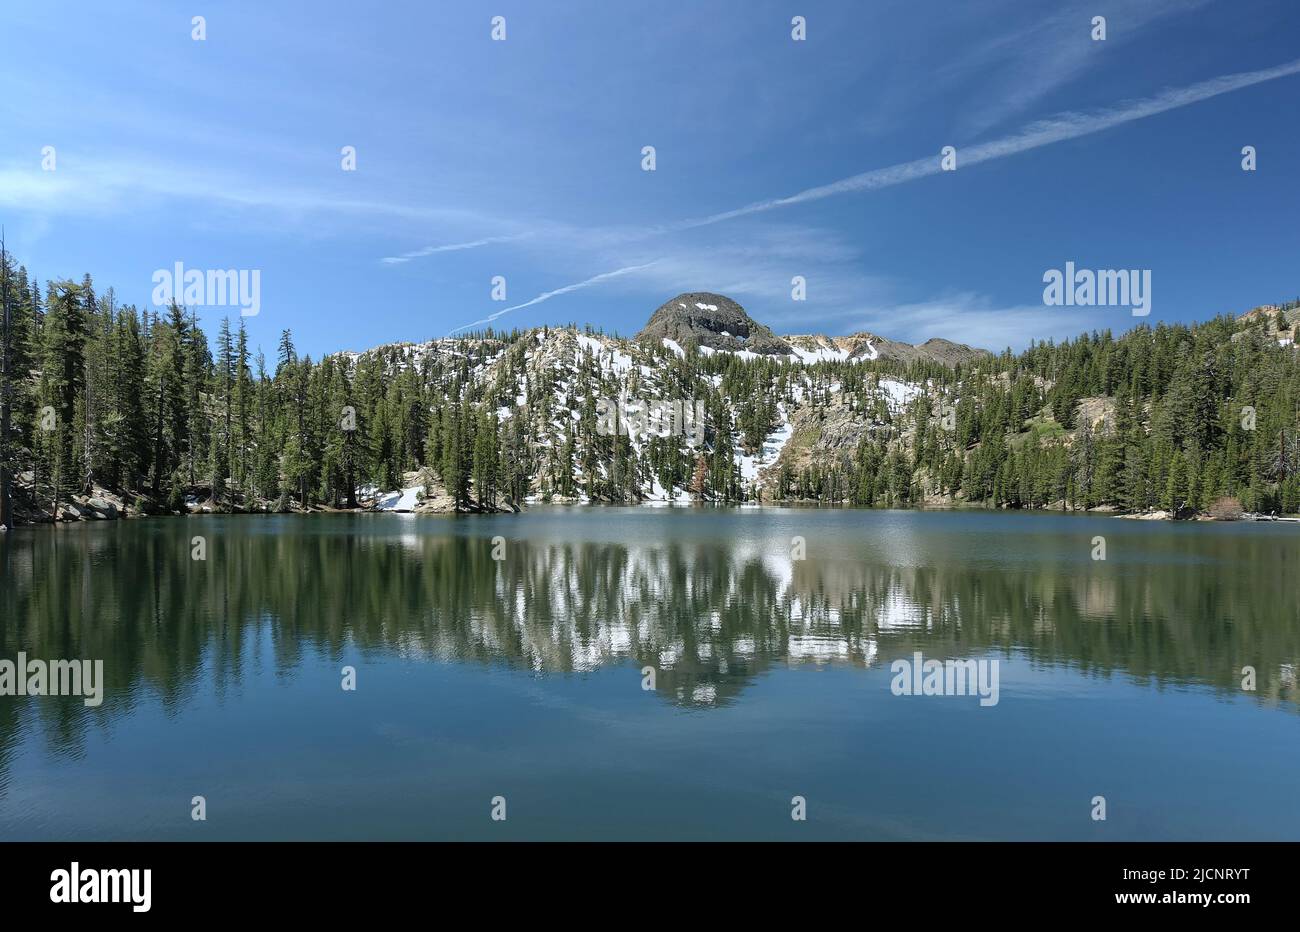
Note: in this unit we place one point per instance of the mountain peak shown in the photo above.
(702, 318)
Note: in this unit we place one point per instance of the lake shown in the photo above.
(503, 656)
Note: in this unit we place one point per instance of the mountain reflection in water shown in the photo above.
(709, 608)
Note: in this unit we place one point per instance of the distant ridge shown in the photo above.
(713, 321)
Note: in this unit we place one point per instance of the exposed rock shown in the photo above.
(701, 318)
(1097, 412)
(948, 353)
(1273, 322)
(717, 322)
(103, 508)
(822, 436)
(866, 347)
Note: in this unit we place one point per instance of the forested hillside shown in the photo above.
(102, 399)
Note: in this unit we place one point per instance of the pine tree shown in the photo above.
(12, 376)
(224, 389)
(485, 461)
(242, 399)
(454, 477)
(63, 379)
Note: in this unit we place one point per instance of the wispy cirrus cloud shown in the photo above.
(1058, 128)
(757, 269)
(453, 247)
(107, 183)
(961, 317)
(547, 295)
(1032, 57)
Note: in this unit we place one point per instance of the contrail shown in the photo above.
(452, 247)
(546, 295)
(1058, 128)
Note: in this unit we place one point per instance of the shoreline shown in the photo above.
(92, 509)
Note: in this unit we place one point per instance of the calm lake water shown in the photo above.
(522, 677)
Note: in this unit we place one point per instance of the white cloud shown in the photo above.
(97, 183)
(975, 320)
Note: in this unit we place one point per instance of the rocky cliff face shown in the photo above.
(701, 318)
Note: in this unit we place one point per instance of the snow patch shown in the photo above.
(621, 362)
(900, 394)
(405, 500)
(821, 354)
(769, 452)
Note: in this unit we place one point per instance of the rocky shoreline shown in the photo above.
(107, 505)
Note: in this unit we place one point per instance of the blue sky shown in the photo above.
(525, 157)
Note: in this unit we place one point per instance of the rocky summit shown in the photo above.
(712, 322)
(701, 318)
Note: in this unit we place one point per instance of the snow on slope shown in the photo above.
(751, 466)
(900, 394)
(404, 500)
(555, 357)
